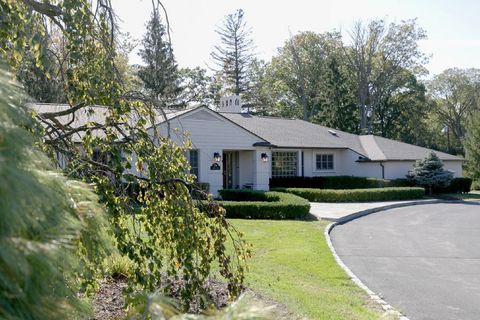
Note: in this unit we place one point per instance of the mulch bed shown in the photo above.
(108, 303)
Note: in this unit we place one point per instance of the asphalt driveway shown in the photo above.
(424, 260)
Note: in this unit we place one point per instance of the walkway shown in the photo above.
(340, 211)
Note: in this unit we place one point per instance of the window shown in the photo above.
(193, 159)
(324, 161)
(284, 164)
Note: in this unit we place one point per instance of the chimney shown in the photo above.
(231, 104)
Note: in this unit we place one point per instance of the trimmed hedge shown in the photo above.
(253, 204)
(336, 182)
(458, 185)
(356, 195)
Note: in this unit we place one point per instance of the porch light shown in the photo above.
(217, 157)
(264, 157)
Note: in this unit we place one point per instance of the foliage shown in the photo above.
(356, 195)
(179, 239)
(233, 55)
(52, 229)
(337, 101)
(429, 173)
(156, 306)
(457, 185)
(308, 79)
(196, 87)
(250, 204)
(472, 148)
(160, 76)
(118, 266)
(456, 95)
(334, 182)
(292, 264)
(378, 57)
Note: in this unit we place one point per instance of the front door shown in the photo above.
(230, 170)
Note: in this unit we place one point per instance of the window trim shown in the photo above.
(316, 154)
(297, 154)
(197, 151)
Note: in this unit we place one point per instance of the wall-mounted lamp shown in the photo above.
(217, 157)
(264, 157)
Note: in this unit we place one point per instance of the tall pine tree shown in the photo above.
(160, 75)
(234, 54)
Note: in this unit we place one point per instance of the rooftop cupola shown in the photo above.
(231, 104)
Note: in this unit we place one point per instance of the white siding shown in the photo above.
(208, 130)
(455, 166)
(309, 162)
(246, 165)
(262, 171)
(398, 169)
(210, 133)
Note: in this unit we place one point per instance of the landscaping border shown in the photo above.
(375, 297)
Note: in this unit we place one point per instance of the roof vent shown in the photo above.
(333, 132)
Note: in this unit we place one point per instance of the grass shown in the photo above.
(292, 264)
(465, 196)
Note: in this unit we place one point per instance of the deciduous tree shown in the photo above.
(455, 92)
(161, 229)
(472, 148)
(378, 55)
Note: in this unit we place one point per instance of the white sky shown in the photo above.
(453, 27)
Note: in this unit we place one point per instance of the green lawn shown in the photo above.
(465, 196)
(292, 264)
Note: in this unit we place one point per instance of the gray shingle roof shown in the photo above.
(294, 133)
(95, 114)
(396, 150)
(283, 133)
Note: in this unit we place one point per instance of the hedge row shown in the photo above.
(458, 185)
(251, 204)
(335, 182)
(356, 195)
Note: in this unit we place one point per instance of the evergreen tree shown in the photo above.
(234, 54)
(337, 100)
(159, 75)
(52, 230)
(429, 173)
(472, 148)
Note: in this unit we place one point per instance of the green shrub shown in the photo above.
(252, 204)
(356, 195)
(476, 185)
(457, 185)
(336, 182)
(245, 195)
(118, 266)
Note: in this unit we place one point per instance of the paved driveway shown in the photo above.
(424, 260)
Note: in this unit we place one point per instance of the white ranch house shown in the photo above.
(239, 150)
(232, 149)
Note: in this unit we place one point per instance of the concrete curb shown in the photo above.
(375, 297)
(389, 309)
